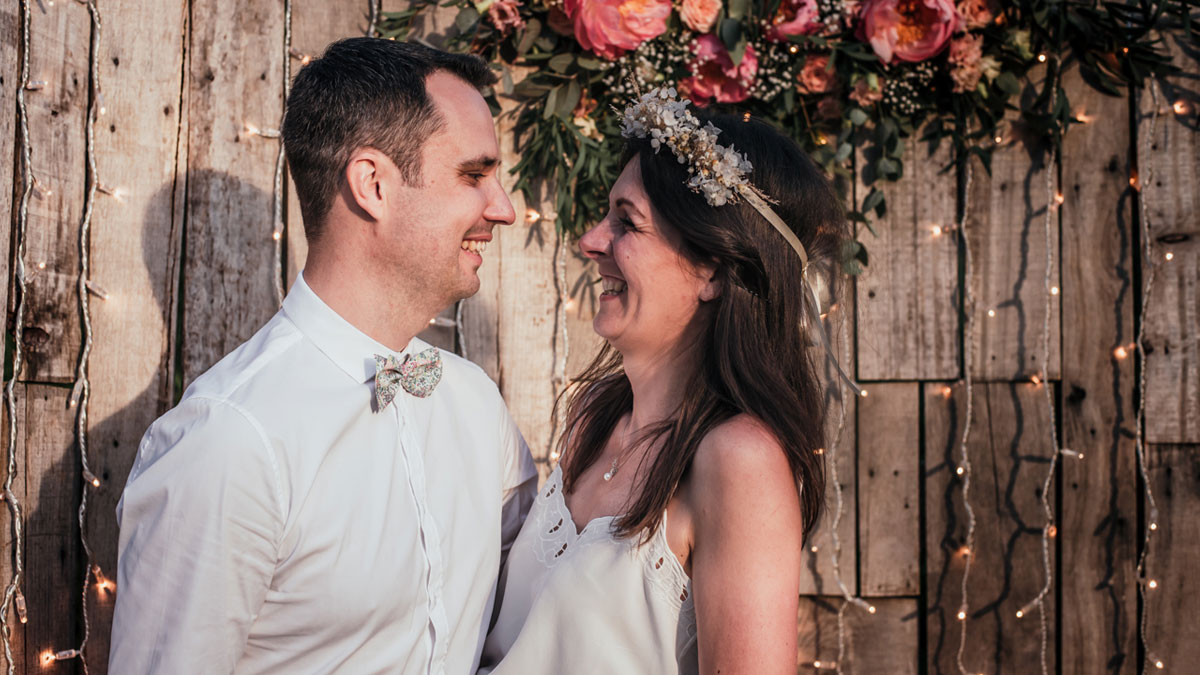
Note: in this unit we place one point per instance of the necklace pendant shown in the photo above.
(612, 471)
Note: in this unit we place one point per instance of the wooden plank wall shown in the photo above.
(183, 248)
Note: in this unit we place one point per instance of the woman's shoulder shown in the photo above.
(741, 447)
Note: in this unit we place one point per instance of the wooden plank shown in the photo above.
(17, 637)
(234, 80)
(135, 258)
(841, 433)
(1097, 531)
(1008, 248)
(59, 39)
(908, 295)
(10, 75)
(1009, 449)
(889, 500)
(1169, 159)
(54, 561)
(1171, 608)
(883, 642)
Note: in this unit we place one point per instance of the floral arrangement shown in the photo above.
(837, 75)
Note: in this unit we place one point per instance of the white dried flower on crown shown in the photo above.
(717, 172)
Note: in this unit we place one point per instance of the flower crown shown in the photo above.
(719, 173)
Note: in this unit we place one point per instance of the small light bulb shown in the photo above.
(1059, 198)
(1153, 526)
(532, 216)
(813, 548)
(964, 552)
(936, 230)
(1041, 58)
(1035, 380)
(1052, 532)
(816, 664)
(999, 140)
(960, 471)
(947, 392)
(820, 451)
(991, 312)
(1133, 180)
(41, 265)
(962, 616)
(863, 393)
(1054, 290)
(871, 609)
(47, 658)
(1169, 256)
(554, 455)
(1120, 353)
(1152, 583)
(1158, 664)
(1124, 50)
(746, 117)
(276, 235)
(1179, 107)
(1020, 614)
(793, 49)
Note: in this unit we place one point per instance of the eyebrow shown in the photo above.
(629, 205)
(481, 163)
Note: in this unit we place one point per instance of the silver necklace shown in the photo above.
(612, 470)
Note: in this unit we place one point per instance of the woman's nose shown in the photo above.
(595, 242)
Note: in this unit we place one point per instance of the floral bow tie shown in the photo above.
(418, 375)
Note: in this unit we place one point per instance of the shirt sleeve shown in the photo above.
(520, 483)
(200, 521)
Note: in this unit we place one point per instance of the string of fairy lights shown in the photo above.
(13, 598)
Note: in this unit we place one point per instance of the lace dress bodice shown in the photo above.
(587, 602)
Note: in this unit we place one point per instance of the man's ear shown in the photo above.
(365, 185)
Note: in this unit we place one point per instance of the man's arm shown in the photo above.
(520, 483)
(200, 520)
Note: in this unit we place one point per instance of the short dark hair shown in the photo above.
(364, 92)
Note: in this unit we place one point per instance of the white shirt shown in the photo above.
(274, 523)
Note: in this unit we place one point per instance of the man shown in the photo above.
(334, 495)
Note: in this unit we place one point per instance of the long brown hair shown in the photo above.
(754, 356)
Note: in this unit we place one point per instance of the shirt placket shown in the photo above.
(430, 539)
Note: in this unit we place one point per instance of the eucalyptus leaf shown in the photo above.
(858, 117)
(738, 9)
(532, 30)
(551, 103)
(589, 63)
(568, 101)
(730, 31)
(561, 62)
(466, 19)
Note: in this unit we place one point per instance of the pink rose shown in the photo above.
(795, 17)
(864, 95)
(908, 30)
(610, 27)
(966, 54)
(715, 76)
(700, 15)
(816, 77)
(977, 13)
(506, 15)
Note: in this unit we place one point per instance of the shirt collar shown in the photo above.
(351, 349)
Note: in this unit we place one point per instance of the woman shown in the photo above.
(669, 537)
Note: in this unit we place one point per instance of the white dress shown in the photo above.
(589, 602)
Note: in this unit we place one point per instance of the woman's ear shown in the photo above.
(711, 290)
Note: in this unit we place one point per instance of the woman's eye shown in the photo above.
(626, 224)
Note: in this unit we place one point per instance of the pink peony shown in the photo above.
(864, 95)
(966, 55)
(795, 17)
(506, 15)
(908, 30)
(715, 76)
(816, 77)
(700, 15)
(610, 27)
(977, 13)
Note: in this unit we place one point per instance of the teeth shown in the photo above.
(474, 245)
(612, 285)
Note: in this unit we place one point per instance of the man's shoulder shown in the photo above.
(465, 377)
(260, 356)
